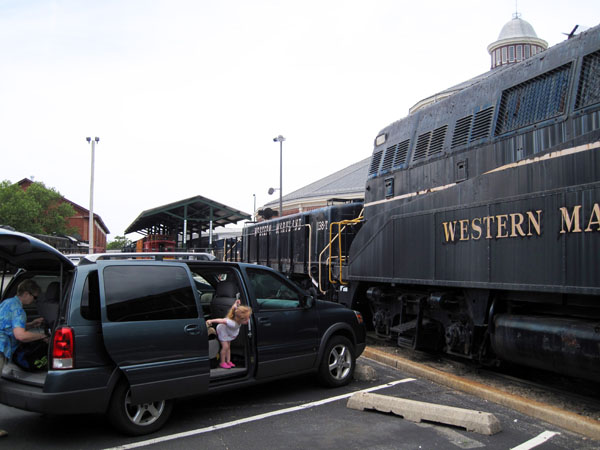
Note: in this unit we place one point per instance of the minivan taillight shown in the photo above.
(63, 348)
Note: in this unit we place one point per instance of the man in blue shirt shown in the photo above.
(13, 322)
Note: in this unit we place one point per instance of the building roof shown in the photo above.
(346, 183)
(198, 211)
(26, 182)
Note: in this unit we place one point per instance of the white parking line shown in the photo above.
(254, 418)
(539, 439)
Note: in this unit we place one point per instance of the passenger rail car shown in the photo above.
(481, 232)
(309, 247)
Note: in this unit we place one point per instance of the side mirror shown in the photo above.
(307, 301)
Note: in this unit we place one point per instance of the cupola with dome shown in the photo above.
(517, 41)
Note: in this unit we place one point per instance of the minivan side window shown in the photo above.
(138, 293)
(272, 292)
(90, 297)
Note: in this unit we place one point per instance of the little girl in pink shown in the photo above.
(228, 329)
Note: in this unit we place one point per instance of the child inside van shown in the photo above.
(229, 328)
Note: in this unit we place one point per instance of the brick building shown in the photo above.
(80, 221)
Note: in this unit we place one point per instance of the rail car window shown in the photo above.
(588, 91)
(533, 101)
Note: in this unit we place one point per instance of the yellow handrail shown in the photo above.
(338, 237)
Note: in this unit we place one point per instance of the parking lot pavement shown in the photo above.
(297, 414)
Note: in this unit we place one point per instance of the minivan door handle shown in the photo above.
(264, 321)
(192, 329)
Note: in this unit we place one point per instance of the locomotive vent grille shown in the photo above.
(437, 140)
(588, 92)
(401, 153)
(388, 159)
(375, 163)
(535, 100)
(461, 131)
(482, 124)
(422, 146)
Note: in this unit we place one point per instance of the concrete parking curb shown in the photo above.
(556, 416)
(478, 421)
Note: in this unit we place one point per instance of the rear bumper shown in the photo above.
(33, 398)
(60, 392)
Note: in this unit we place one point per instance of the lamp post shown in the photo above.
(280, 139)
(91, 218)
(254, 210)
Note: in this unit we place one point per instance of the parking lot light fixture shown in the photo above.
(91, 216)
(280, 139)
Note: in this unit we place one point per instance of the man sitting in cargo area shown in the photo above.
(13, 323)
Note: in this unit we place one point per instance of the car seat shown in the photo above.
(223, 299)
(47, 306)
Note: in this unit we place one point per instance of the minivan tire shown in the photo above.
(337, 365)
(136, 420)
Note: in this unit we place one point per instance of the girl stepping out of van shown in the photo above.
(228, 329)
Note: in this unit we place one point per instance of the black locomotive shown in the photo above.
(480, 234)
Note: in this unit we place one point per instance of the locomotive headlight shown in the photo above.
(379, 140)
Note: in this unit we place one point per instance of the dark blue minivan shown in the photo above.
(128, 334)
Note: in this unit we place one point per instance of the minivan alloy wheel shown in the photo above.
(340, 362)
(144, 414)
(139, 419)
(337, 364)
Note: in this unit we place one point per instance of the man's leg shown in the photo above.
(2, 432)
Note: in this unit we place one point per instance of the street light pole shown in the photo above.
(91, 217)
(280, 139)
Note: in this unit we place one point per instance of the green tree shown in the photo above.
(118, 243)
(36, 210)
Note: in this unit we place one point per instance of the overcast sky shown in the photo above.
(187, 96)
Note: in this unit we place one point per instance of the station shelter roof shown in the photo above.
(197, 211)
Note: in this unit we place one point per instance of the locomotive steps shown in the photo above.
(551, 414)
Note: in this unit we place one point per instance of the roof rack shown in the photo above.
(152, 256)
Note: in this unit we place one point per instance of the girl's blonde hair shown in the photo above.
(242, 311)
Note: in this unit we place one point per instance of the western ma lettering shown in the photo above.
(515, 225)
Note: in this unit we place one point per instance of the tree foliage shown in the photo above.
(118, 243)
(37, 209)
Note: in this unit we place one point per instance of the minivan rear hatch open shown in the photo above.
(21, 252)
(26, 252)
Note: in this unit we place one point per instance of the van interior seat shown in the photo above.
(221, 303)
(47, 305)
(223, 299)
